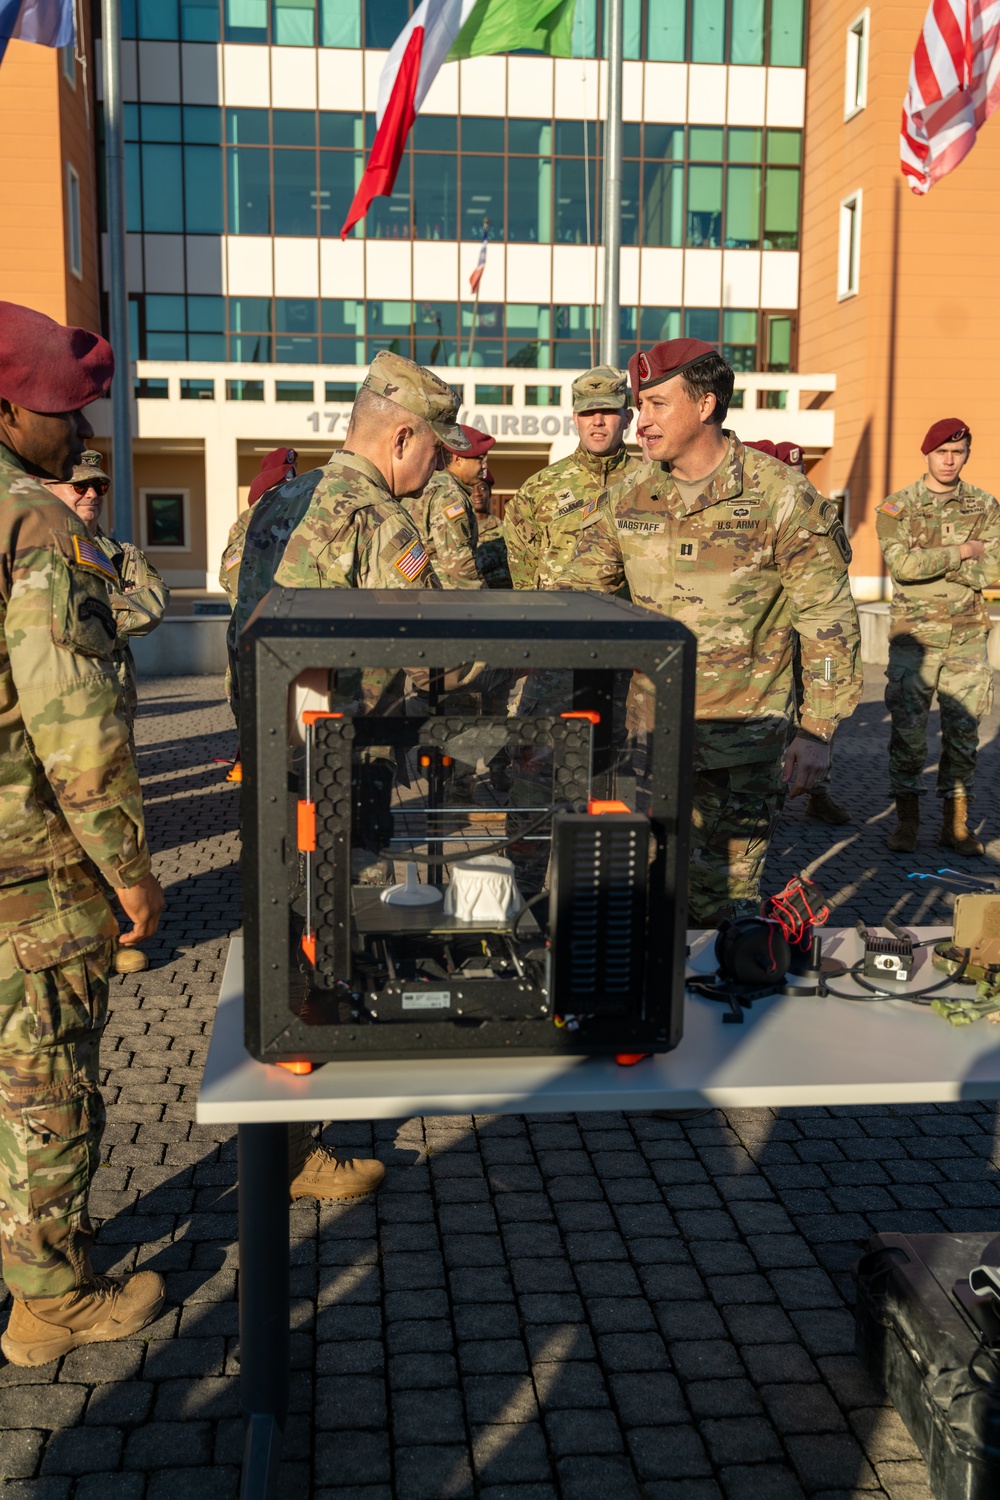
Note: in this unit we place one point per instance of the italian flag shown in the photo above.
(437, 31)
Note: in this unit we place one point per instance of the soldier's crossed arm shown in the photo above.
(981, 572)
(907, 562)
(597, 563)
(60, 632)
(812, 553)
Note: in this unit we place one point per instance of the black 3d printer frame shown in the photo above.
(294, 631)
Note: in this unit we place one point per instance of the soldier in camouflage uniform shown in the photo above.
(141, 598)
(542, 521)
(743, 551)
(343, 526)
(443, 514)
(275, 468)
(491, 549)
(939, 538)
(71, 808)
(139, 602)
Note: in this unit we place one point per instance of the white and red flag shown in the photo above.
(954, 88)
(480, 266)
(410, 69)
(436, 30)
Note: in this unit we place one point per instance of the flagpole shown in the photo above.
(114, 158)
(611, 311)
(475, 302)
(472, 330)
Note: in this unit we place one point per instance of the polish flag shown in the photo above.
(410, 69)
(480, 266)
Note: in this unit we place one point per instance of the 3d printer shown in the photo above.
(536, 854)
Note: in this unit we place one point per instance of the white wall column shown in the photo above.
(221, 499)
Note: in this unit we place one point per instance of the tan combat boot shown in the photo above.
(314, 1171)
(822, 807)
(955, 832)
(106, 1308)
(130, 961)
(903, 839)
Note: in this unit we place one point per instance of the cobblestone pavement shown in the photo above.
(596, 1307)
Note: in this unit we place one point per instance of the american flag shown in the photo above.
(89, 555)
(480, 267)
(954, 88)
(413, 561)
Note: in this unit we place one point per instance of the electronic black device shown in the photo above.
(887, 957)
(379, 736)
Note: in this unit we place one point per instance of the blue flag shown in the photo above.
(47, 22)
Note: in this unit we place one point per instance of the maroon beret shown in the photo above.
(948, 430)
(764, 446)
(275, 468)
(479, 443)
(663, 361)
(47, 367)
(789, 453)
(488, 476)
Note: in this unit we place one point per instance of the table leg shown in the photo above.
(265, 1345)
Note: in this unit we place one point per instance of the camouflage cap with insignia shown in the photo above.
(91, 466)
(600, 389)
(419, 391)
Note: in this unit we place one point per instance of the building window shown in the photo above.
(74, 233)
(165, 520)
(67, 58)
(715, 31)
(850, 246)
(856, 74)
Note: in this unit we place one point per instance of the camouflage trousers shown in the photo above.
(56, 945)
(734, 813)
(961, 676)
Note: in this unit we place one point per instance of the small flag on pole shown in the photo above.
(954, 88)
(47, 22)
(480, 267)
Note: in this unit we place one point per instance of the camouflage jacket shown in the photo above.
(491, 553)
(753, 560)
(354, 535)
(139, 605)
(443, 515)
(937, 597)
(141, 601)
(68, 783)
(542, 521)
(232, 554)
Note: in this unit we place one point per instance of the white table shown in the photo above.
(790, 1050)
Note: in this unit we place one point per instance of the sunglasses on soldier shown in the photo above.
(100, 486)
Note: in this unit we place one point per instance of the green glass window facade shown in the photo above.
(306, 330)
(294, 172)
(751, 32)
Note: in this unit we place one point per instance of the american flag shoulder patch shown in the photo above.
(89, 555)
(413, 561)
(589, 508)
(891, 508)
(454, 511)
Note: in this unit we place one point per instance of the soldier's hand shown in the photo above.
(143, 905)
(806, 763)
(971, 549)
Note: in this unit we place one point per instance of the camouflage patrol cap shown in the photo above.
(418, 391)
(91, 466)
(600, 389)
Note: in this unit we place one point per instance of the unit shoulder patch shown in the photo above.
(88, 555)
